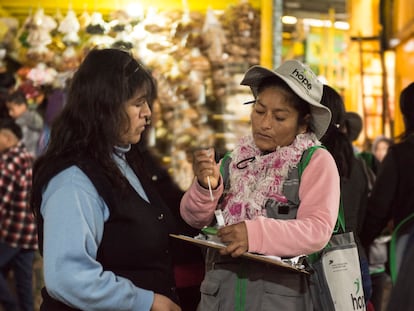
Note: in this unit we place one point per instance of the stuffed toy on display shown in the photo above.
(39, 34)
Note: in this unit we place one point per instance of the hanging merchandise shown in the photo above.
(35, 35)
(121, 28)
(98, 29)
(198, 59)
(70, 26)
(42, 75)
(39, 36)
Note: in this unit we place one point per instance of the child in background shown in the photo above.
(28, 119)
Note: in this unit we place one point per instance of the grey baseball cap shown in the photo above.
(303, 82)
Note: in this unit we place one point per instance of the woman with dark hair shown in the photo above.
(103, 230)
(354, 182)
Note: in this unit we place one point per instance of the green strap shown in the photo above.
(241, 283)
(224, 165)
(393, 247)
(240, 295)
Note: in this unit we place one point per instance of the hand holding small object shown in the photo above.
(208, 179)
(205, 169)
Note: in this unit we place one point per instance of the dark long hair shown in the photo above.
(335, 139)
(90, 124)
(407, 110)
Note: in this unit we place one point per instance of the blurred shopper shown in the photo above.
(29, 120)
(378, 250)
(54, 102)
(354, 126)
(354, 182)
(380, 147)
(7, 81)
(18, 239)
(402, 297)
(7, 85)
(392, 197)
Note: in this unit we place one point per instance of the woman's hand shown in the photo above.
(163, 303)
(205, 167)
(236, 239)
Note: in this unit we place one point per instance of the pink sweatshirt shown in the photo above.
(319, 193)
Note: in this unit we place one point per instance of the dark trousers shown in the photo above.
(20, 261)
(366, 278)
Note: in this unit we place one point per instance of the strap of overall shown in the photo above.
(241, 282)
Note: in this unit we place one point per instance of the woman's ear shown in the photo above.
(304, 124)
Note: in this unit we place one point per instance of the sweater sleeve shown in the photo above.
(319, 194)
(197, 208)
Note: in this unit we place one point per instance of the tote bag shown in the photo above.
(335, 282)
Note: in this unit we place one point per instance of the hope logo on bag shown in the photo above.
(358, 301)
(342, 273)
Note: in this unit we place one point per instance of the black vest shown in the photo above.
(135, 242)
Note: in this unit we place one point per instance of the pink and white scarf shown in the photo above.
(262, 178)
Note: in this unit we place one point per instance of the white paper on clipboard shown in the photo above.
(291, 263)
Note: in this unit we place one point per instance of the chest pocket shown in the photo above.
(279, 210)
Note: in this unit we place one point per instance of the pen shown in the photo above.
(208, 179)
(209, 188)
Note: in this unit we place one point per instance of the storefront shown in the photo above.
(199, 51)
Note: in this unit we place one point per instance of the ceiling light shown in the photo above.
(341, 25)
(289, 20)
(394, 42)
(325, 23)
(409, 46)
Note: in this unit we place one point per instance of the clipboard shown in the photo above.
(273, 260)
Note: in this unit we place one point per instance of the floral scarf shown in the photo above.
(260, 177)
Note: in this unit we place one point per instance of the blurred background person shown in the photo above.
(380, 147)
(28, 119)
(392, 197)
(378, 250)
(354, 183)
(402, 297)
(18, 239)
(7, 85)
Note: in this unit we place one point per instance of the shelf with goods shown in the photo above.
(191, 54)
(227, 44)
(231, 117)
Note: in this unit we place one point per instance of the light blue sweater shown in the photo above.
(74, 216)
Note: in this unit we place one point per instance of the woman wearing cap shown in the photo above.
(265, 209)
(103, 229)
